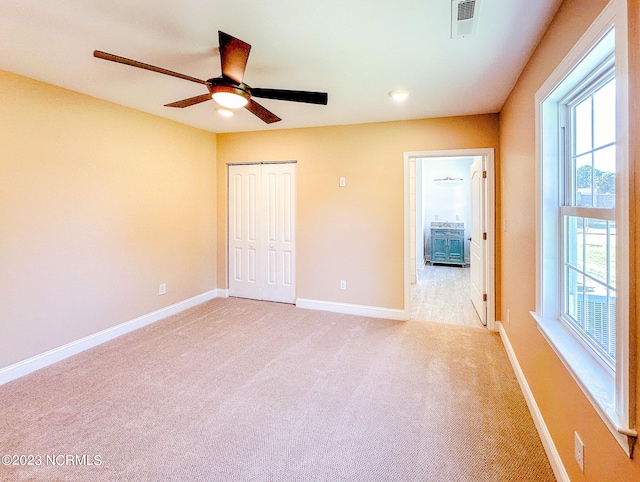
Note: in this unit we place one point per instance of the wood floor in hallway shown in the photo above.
(442, 295)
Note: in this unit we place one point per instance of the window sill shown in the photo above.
(595, 381)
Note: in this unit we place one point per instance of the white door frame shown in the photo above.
(490, 216)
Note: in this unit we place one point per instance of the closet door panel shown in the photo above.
(279, 229)
(244, 231)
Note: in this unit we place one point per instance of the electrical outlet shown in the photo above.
(343, 182)
(163, 289)
(508, 316)
(504, 225)
(579, 450)
(343, 284)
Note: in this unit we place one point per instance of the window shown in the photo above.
(582, 216)
(587, 211)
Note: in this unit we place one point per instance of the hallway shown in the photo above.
(442, 295)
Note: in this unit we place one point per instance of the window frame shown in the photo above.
(608, 392)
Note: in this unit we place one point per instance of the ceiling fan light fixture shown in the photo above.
(225, 112)
(449, 180)
(230, 100)
(399, 95)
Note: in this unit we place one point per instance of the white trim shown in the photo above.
(24, 367)
(221, 293)
(349, 309)
(545, 436)
(490, 216)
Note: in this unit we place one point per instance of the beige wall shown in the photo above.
(99, 205)
(353, 233)
(561, 401)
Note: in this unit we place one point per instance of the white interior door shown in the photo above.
(245, 186)
(278, 187)
(262, 231)
(477, 256)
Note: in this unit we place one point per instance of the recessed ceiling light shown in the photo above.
(225, 112)
(399, 95)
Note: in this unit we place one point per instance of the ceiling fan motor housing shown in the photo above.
(222, 84)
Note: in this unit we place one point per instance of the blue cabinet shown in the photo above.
(447, 246)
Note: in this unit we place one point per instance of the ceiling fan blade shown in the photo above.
(234, 54)
(142, 65)
(264, 114)
(190, 101)
(291, 95)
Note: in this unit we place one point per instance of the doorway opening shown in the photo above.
(449, 229)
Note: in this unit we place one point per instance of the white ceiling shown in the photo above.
(356, 50)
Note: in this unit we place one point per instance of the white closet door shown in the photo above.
(278, 187)
(245, 188)
(262, 231)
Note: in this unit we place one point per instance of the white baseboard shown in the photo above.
(549, 446)
(221, 293)
(349, 309)
(24, 367)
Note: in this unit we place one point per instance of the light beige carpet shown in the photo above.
(240, 390)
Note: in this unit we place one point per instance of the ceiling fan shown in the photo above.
(229, 90)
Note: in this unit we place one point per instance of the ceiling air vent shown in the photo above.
(464, 18)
